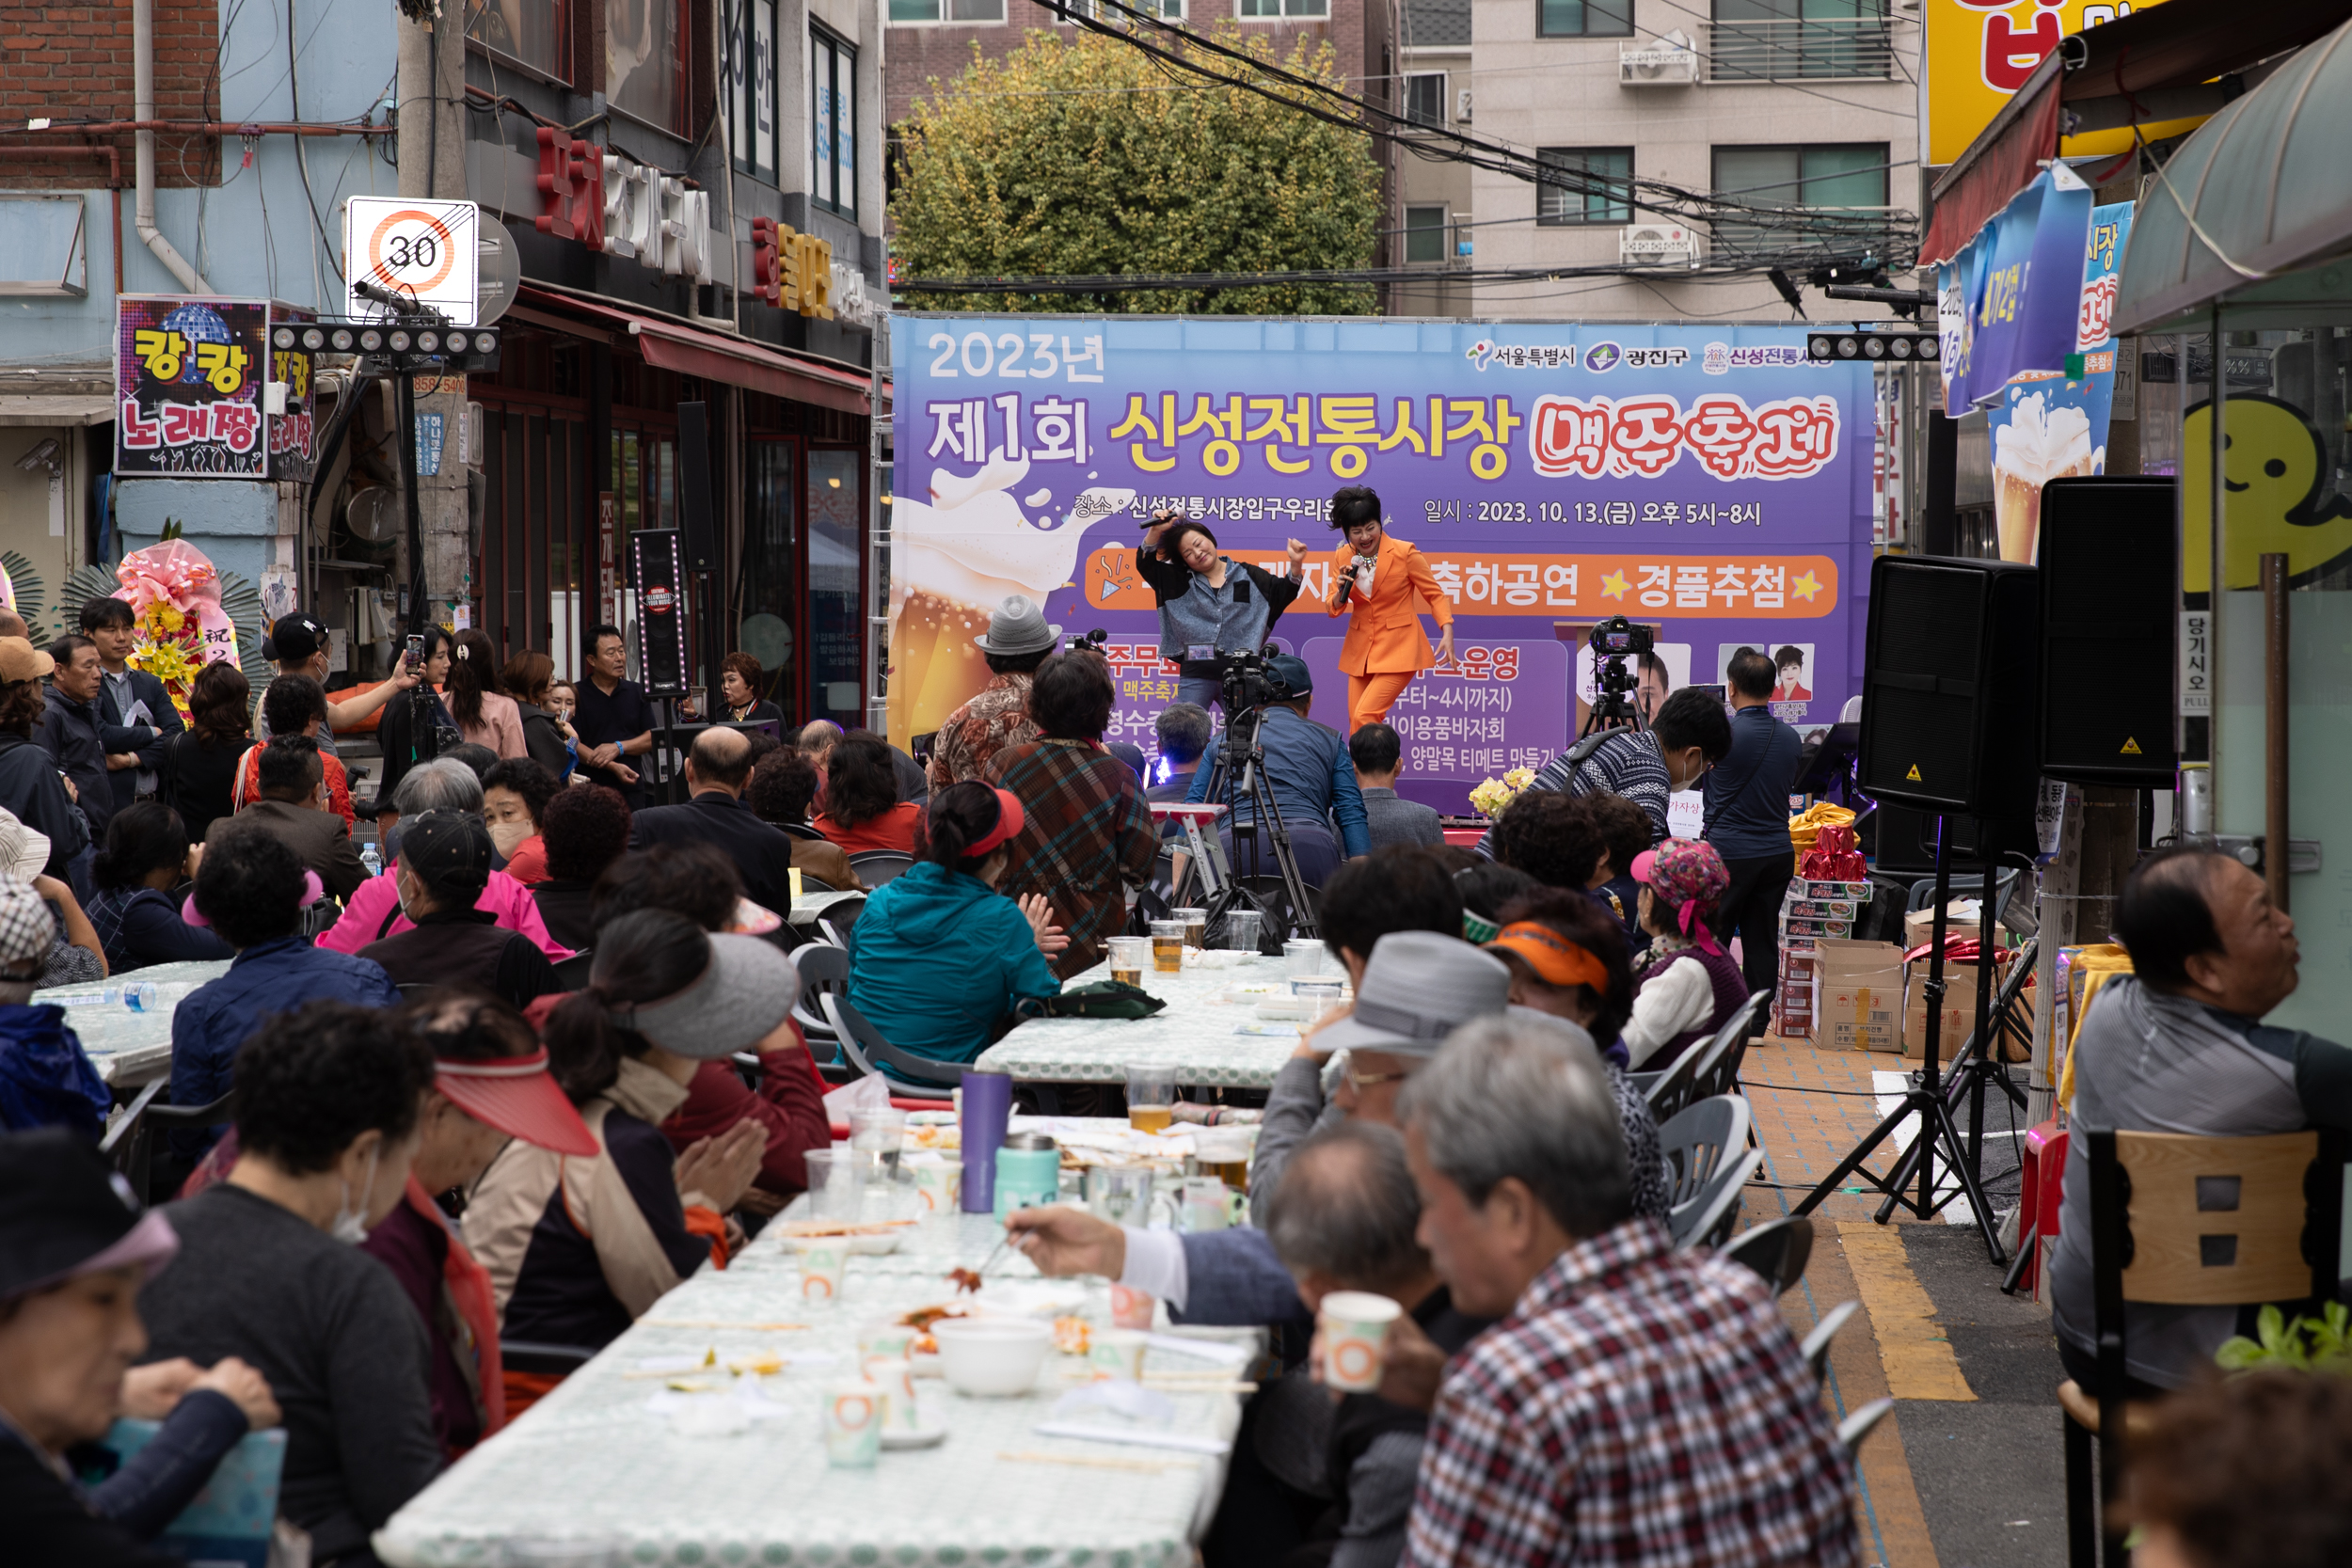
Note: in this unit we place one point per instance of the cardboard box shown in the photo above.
(1960, 1010)
(1810, 925)
(1963, 920)
(1858, 996)
(1821, 908)
(1859, 892)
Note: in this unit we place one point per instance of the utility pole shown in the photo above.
(433, 166)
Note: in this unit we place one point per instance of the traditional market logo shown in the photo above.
(1602, 356)
(1723, 358)
(1523, 357)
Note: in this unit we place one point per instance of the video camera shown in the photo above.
(1612, 643)
(1619, 638)
(1248, 681)
(1092, 641)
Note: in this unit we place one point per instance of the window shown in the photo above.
(1830, 175)
(832, 123)
(1424, 235)
(1601, 191)
(1567, 19)
(1425, 98)
(1760, 40)
(529, 32)
(1268, 10)
(751, 87)
(947, 10)
(645, 59)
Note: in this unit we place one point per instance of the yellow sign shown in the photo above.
(2274, 470)
(2131, 747)
(1914, 775)
(1979, 55)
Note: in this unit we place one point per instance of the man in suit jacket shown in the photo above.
(135, 717)
(292, 805)
(1379, 756)
(716, 769)
(1375, 580)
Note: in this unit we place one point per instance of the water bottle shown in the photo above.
(141, 998)
(369, 858)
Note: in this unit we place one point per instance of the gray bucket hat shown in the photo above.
(1018, 627)
(738, 1002)
(1419, 988)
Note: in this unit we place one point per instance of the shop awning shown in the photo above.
(2263, 187)
(714, 357)
(2153, 66)
(36, 410)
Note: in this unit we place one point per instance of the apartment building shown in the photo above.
(1773, 104)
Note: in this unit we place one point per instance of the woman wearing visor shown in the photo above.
(1210, 604)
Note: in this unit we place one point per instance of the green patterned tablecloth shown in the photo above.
(1196, 1034)
(594, 1465)
(127, 1046)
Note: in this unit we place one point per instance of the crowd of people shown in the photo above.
(488, 1092)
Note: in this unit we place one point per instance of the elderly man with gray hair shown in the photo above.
(374, 912)
(1636, 1404)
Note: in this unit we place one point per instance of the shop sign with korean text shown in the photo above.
(188, 387)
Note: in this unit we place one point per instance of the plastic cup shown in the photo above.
(1133, 1308)
(1206, 1204)
(881, 1131)
(855, 1412)
(1241, 930)
(1168, 946)
(1195, 926)
(1119, 1353)
(895, 1377)
(884, 1340)
(1120, 1194)
(1128, 957)
(1224, 1153)
(825, 1265)
(1150, 1098)
(1355, 1329)
(938, 1184)
(837, 1181)
(1302, 956)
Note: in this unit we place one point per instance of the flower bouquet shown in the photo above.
(174, 594)
(1488, 799)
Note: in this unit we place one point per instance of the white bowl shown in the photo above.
(992, 1355)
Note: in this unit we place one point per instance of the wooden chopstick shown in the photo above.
(1095, 1462)
(723, 1323)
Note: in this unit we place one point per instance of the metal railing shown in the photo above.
(1794, 235)
(1799, 49)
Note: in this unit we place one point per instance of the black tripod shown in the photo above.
(1924, 1098)
(1239, 772)
(1979, 1066)
(1614, 708)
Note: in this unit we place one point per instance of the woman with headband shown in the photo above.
(1375, 577)
(941, 957)
(1690, 987)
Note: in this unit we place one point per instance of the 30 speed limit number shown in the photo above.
(424, 251)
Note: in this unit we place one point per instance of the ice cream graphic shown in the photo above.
(958, 555)
(2038, 444)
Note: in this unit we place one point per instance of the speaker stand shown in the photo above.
(1925, 1101)
(1978, 1069)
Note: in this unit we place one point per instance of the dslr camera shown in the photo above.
(1618, 637)
(1248, 681)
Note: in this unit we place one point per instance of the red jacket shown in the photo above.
(790, 1103)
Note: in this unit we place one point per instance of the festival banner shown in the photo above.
(188, 380)
(2015, 292)
(1707, 480)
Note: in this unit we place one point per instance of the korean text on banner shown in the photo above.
(1707, 480)
(189, 379)
(1981, 52)
(2019, 285)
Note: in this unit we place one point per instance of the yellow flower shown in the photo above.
(169, 619)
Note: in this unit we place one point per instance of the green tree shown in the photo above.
(1085, 158)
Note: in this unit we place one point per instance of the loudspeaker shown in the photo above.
(1951, 686)
(2110, 548)
(660, 612)
(693, 499)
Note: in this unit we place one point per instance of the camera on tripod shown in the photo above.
(1093, 640)
(1248, 681)
(1612, 643)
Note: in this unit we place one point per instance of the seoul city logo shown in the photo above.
(1602, 356)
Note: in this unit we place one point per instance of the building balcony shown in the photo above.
(1801, 50)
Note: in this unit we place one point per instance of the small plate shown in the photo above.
(929, 1435)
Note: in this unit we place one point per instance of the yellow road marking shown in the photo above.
(1917, 1356)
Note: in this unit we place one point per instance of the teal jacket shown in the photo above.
(938, 959)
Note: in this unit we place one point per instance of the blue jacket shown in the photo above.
(1234, 1279)
(216, 1018)
(45, 1080)
(940, 958)
(1310, 774)
(1747, 793)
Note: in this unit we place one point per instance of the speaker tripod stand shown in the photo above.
(1923, 1100)
(1979, 1064)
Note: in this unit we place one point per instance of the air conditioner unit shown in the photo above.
(1656, 245)
(1671, 60)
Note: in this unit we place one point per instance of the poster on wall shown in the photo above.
(1706, 480)
(189, 379)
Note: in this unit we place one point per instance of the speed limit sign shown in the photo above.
(424, 251)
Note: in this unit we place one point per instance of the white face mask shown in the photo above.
(508, 836)
(351, 1221)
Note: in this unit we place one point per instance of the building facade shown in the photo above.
(688, 194)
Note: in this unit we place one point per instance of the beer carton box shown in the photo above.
(1963, 919)
(1858, 893)
(1857, 991)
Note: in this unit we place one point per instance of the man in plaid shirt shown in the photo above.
(1087, 836)
(1690, 735)
(1635, 1405)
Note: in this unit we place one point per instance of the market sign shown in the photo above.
(1706, 480)
(1979, 53)
(2012, 301)
(188, 387)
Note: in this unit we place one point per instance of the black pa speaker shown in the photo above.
(660, 612)
(2109, 615)
(694, 501)
(1952, 684)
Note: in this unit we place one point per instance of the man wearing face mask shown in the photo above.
(269, 1270)
(1690, 735)
(443, 866)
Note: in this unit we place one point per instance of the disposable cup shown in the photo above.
(855, 1412)
(824, 1263)
(837, 1181)
(1130, 956)
(1355, 1329)
(1241, 930)
(1207, 1204)
(1120, 1194)
(938, 1184)
(896, 1379)
(1302, 956)
(884, 1340)
(1195, 926)
(1119, 1353)
(1133, 1308)
(1168, 946)
(1151, 1097)
(879, 1130)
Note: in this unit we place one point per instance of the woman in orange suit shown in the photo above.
(1375, 577)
